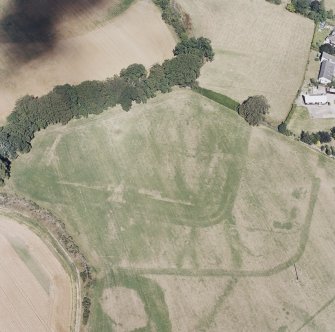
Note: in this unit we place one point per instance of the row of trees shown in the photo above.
(328, 150)
(172, 16)
(314, 10)
(317, 138)
(282, 128)
(86, 303)
(66, 102)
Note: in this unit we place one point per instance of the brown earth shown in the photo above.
(36, 293)
(139, 35)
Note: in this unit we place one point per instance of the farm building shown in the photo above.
(315, 99)
(331, 90)
(327, 57)
(326, 73)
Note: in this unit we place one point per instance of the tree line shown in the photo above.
(314, 138)
(315, 10)
(173, 17)
(66, 102)
(318, 137)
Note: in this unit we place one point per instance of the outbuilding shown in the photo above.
(315, 99)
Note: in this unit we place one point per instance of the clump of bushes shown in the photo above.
(200, 47)
(276, 2)
(4, 170)
(86, 309)
(172, 16)
(328, 150)
(320, 137)
(315, 10)
(282, 128)
(315, 138)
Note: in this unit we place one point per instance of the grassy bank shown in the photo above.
(217, 97)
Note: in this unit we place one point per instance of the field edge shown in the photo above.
(59, 252)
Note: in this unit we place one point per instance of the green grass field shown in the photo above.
(319, 37)
(181, 201)
(301, 120)
(249, 58)
(217, 97)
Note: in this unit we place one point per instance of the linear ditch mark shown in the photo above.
(325, 306)
(207, 322)
(304, 235)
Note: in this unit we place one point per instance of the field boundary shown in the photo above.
(217, 97)
(51, 242)
(52, 232)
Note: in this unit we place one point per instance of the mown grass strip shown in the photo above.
(217, 97)
(119, 9)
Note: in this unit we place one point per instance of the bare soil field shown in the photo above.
(138, 35)
(36, 292)
(204, 217)
(260, 49)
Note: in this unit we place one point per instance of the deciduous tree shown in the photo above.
(254, 110)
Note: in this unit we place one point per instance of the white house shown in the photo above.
(315, 99)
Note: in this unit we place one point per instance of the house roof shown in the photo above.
(328, 57)
(331, 38)
(315, 99)
(327, 69)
